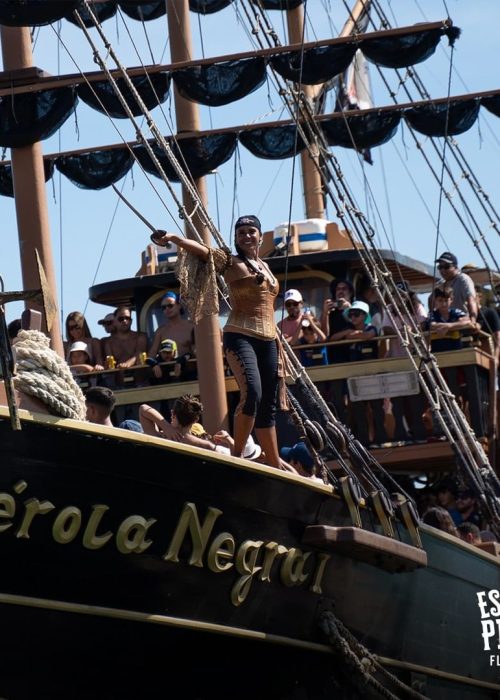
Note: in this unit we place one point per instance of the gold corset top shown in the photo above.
(252, 307)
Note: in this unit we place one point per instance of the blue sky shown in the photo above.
(95, 241)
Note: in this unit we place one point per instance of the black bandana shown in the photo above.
(249, 220)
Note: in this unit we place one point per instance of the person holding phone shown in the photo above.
(334, 324)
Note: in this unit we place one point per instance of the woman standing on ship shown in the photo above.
(250, 337)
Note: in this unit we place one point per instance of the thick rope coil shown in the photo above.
(362, 661)
(41, 373)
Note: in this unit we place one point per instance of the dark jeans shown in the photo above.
(360, 421)
(254, 363)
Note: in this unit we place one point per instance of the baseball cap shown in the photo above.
(362, 306)
(79, 346)
(171, 295)
(109, 318)
(465, 493)
(448, 258)
(298, 453)
(448, 485)
(168, 345)
(403, 286)
(293, 295)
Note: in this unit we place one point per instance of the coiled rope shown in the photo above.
(41, 373)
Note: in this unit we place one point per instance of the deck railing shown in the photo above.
(476, 365)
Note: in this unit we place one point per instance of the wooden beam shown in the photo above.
(7, 87)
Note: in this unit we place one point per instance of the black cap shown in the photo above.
(465, 493)
(403, 286)
(449, 258)
(448, 485)
(248, 220)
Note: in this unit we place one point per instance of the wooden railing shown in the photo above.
(477, 364)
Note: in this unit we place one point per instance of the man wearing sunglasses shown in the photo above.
(125, 344)
(174, 327)
(460, 284)
(291, 326)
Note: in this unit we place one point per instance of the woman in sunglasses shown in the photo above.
(77, 330)
(250, 340)
(362, 331)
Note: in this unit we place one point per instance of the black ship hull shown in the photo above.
(128, 564)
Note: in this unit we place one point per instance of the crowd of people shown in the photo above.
(349, 329)
(454, 510)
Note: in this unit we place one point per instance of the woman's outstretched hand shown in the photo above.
(162, 238)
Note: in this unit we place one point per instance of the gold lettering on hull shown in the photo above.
(131, 535)
(194, 542)
(199, 534)
(91, 540)
(67, 525)
(222, 548)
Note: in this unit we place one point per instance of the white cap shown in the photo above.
(79, 345)
(251, 450)
(293, 295)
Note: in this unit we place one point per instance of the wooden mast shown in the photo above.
(314, 201)
(207, 333)
(29, 190)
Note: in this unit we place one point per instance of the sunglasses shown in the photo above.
(291, 303)
(74, 328)
(167, 306)
(108, 323)
(356, 313)
(124, 318)
(444, 267)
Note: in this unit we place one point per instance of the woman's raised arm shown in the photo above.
(163, 238)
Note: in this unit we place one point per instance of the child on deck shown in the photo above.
(311, 334)
(79, 358)
(180, 372)
(362, 331)
(445, 324)
(167, 352)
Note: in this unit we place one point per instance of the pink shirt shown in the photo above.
(395, 347)
(290, 325)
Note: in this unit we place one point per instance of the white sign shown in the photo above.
(383, 386)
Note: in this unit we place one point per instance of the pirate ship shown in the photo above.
(130, 561)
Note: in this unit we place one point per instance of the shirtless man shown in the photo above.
(175, 327)
(125, 344)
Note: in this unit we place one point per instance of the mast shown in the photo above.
(314, 200)
(29, 191)
(207, 332)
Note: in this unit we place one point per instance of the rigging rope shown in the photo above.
(470, 454)
(455, 427)
(199, 208)
(362, 663)
(455, 151)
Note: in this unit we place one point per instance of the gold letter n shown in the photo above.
(199, 534)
